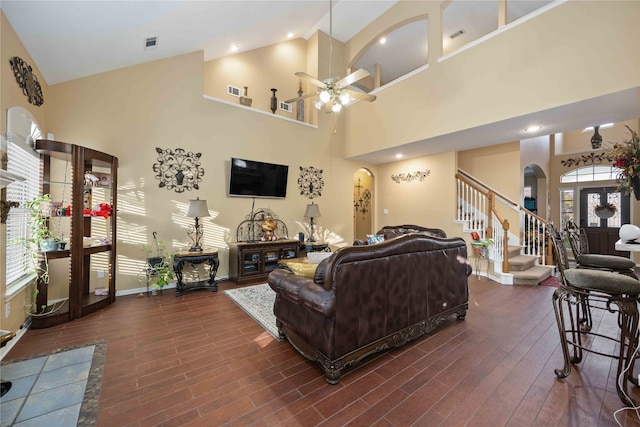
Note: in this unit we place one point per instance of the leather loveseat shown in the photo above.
(393, 231)
(366, 299)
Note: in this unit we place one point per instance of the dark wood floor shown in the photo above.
(199, 360)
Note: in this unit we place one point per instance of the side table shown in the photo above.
(206, 255)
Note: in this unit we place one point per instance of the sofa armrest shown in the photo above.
(303, 291)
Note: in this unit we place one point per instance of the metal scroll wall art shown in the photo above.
(362, 199)
(261, 225)
(310, 182)
(588, 159)
(410, 177)
(27, 81)
(178, 169)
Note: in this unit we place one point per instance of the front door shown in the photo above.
(602, 233)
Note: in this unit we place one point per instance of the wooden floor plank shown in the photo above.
(199, 360)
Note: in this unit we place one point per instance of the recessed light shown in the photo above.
(383, 40)
(399, 156)
(290, 34)
(533, 128)
(234, 47)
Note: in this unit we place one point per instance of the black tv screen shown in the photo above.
(248, 178)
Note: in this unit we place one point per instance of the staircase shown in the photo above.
(520, 259)
(525, 269)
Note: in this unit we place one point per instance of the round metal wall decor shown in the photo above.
(310, 182)
(27, 81)
(178, 170)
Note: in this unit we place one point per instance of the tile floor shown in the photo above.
(47, 390)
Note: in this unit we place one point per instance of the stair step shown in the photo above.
(522, 262)
(513, 251)
(532, 276)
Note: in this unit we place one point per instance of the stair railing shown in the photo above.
(477, 210)
(534, 236)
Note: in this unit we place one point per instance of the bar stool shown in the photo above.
(572, 306)
(580, 248)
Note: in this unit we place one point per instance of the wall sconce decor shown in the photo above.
(312, 211)
(197, 209)
(27, 81)
(361, 201)
(409, 177)
(310, 182)
(596, 139)
(178, 170)
(587, 159)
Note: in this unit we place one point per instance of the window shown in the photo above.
(25, 162)
(566, 207)
(591, 173)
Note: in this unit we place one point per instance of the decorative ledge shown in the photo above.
(266, 113)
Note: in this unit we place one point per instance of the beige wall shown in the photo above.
(260, 70)
(11, 95)
(430, 203)
(553, 65)
(498, 167)
(129, 112)
(578, 141)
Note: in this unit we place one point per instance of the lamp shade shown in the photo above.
(198, 208)
(312, 211)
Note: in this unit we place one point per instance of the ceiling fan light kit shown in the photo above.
(333, 94)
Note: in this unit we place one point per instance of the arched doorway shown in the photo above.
(362, 203)
(535, 192)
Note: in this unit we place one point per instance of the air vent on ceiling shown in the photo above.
(150, 43)
(286, 107)
(457, 33)
(234, 91)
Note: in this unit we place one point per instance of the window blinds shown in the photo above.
(25, 162)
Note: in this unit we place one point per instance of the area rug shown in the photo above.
(257, 301)
(61, 387)
(552, 281)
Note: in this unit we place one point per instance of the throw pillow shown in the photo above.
(372, 239)
(303, 269)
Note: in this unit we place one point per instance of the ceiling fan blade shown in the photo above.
(313, 80)
(353, 77)
(299, 98)
(359, 95)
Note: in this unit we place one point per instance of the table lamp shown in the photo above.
(197, 209)
(312, 211)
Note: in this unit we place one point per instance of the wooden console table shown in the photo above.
(199, 257)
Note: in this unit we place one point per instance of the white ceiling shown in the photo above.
(72, 39)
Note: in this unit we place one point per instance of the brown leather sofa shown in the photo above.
(366, 299)
(392, 231)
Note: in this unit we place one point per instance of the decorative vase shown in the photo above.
(300, 107)
(596, 139)
(245, 100)
(635, 183)
(274, 101)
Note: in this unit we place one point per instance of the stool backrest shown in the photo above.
(577, 239)
(559, 251)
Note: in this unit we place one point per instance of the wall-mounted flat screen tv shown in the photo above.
(248, 178)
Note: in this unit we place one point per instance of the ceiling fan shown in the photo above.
(334, 94)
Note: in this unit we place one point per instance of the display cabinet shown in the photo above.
(91, 203)
(253, 261)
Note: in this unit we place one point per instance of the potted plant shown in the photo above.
(159, 267)
(160, 274)
(155, 252)
(605, 210)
